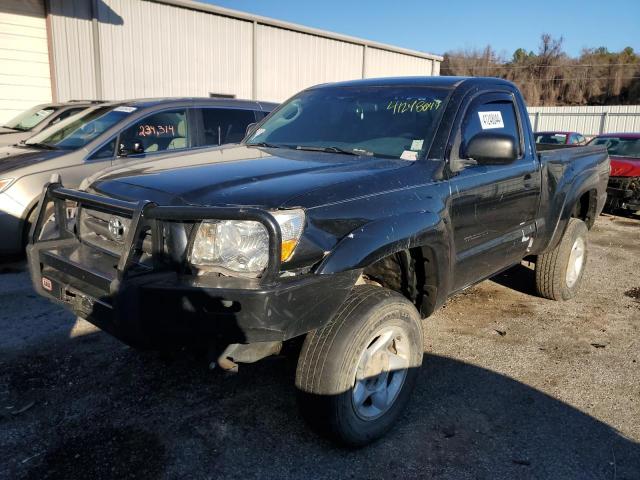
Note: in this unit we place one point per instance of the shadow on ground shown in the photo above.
(518, 278)
(101, 410)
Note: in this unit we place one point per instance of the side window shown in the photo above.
(157, 132)
(225, 125)
(106, 151)
(493, 116)
(581, 140)
(574, 139)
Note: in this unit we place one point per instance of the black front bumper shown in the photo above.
(161, 307)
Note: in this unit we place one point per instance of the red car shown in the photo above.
(560, 138)
(624, 180)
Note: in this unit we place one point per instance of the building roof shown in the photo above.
(227, 12)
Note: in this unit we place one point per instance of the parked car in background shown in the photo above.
(560, 138)
(624, 180)
(107, 135)
(347, 215)
(40, 117)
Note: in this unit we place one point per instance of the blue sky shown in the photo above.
(438, 26)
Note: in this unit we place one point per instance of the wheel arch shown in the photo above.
(580, 202)
(408, 254)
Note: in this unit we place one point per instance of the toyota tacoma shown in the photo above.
(349, 214)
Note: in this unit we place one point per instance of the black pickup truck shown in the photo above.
(346, 216)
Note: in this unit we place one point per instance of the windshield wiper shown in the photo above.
(355, 151)
(264, 145)
(44, 146)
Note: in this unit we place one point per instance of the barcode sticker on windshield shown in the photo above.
(409, 155)
(491, 120)
(125, 109)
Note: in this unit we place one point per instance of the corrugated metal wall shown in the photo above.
(290, 61)
(137, 48)
(24, 58)
(381, 63)
(159, 50)
(588, 120)
(72, 49)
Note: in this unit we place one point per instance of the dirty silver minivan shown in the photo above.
(109, 135)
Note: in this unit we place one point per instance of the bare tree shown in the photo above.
(551, 77)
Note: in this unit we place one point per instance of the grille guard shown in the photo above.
(146, 214)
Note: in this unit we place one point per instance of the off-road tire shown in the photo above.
(551, 267)
(325, 375)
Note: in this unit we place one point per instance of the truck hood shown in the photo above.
(266, 178)
(12, 158)
(625, 167)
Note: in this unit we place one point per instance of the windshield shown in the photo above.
(392, 122)
(29, 119)
(620, 146)
(551, 138)
(81, 129)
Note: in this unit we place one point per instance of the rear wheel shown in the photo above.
(356, 374)
(559, 272)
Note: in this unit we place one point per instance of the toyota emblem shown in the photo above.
(116, 228)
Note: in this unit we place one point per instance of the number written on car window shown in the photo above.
(156, 130)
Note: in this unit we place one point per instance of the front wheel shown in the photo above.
(559, 272)
(356, 374)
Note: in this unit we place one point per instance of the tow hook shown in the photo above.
(226, 364)
(243, 353)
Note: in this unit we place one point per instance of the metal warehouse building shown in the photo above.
(114, 49)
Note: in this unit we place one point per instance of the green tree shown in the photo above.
(519, 56)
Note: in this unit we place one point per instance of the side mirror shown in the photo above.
(488, 148)
(136, 149)
(250, 128)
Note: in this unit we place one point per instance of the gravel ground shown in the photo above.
(513, 386)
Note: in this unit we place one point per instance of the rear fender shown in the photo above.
(581, 184)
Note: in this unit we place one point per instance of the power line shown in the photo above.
(510, 67)
(575, 79)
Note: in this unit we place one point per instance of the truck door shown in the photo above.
(493, 207)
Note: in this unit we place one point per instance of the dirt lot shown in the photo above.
(512, 386)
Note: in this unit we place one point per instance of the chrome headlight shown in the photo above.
(4, 183)
(242, 246)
